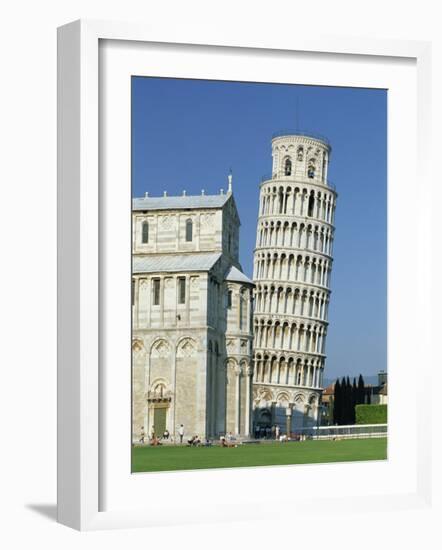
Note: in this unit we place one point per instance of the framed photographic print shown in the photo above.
(234, 271)
(229, 346)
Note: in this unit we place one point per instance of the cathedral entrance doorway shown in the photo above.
(159, 420)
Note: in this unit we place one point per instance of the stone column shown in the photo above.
(249, 375)
(238, 371)
(273, 417)
(288, 417)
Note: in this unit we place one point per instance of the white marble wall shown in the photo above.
(193, 358)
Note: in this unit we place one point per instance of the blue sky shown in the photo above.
(187, 134)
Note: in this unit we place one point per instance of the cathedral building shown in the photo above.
(292, 267)
(191, 316)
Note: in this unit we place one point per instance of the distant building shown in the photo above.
(383, 395)
(327, 401)
(378, 395)
(382, 378)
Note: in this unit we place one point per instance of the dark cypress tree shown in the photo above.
(344, 406)
(349, 401)
(361, 391)
(337, 403)
(354, 401)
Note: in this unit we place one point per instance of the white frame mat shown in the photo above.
(95, 487)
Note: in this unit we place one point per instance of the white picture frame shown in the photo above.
(81, 447)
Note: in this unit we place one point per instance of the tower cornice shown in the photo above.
(295, 180)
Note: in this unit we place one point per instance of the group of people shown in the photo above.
(228, 440)
(154, 439)
(274, 432)
(267, 432)
(194, 441)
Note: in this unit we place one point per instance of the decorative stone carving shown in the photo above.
(194, 282)
(167, 222)
(230, 344)
(230, 364)
(207, 220)
(186, 348)
(299, 398)
(160, 348)
(137, 346)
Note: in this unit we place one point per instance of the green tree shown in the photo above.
(337, 403)
(345, 409)
(354, 400)
(361, 391)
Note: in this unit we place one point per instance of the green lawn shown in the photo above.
(167, 458)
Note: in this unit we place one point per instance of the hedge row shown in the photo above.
(371, 414)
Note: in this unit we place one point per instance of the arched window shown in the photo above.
(288, 167)
(281, 199)
(311, 169)
(156, 292)
(229, 299)
(311, 204)
(242, 311)
(189, 231)
(145, 233)
(181, 290)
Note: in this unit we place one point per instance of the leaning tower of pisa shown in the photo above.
(292, 267)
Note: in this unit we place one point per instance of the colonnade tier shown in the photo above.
(301, 234)
(296, 336)
(296, 267)
(288, 370)
(288, 300)
(283, 196)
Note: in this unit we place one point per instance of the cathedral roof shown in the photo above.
(154, 263)
(183, 201)
(237, 276)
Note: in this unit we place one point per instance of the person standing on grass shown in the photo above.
(142, 435)
(181, 433)
(277, 430)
